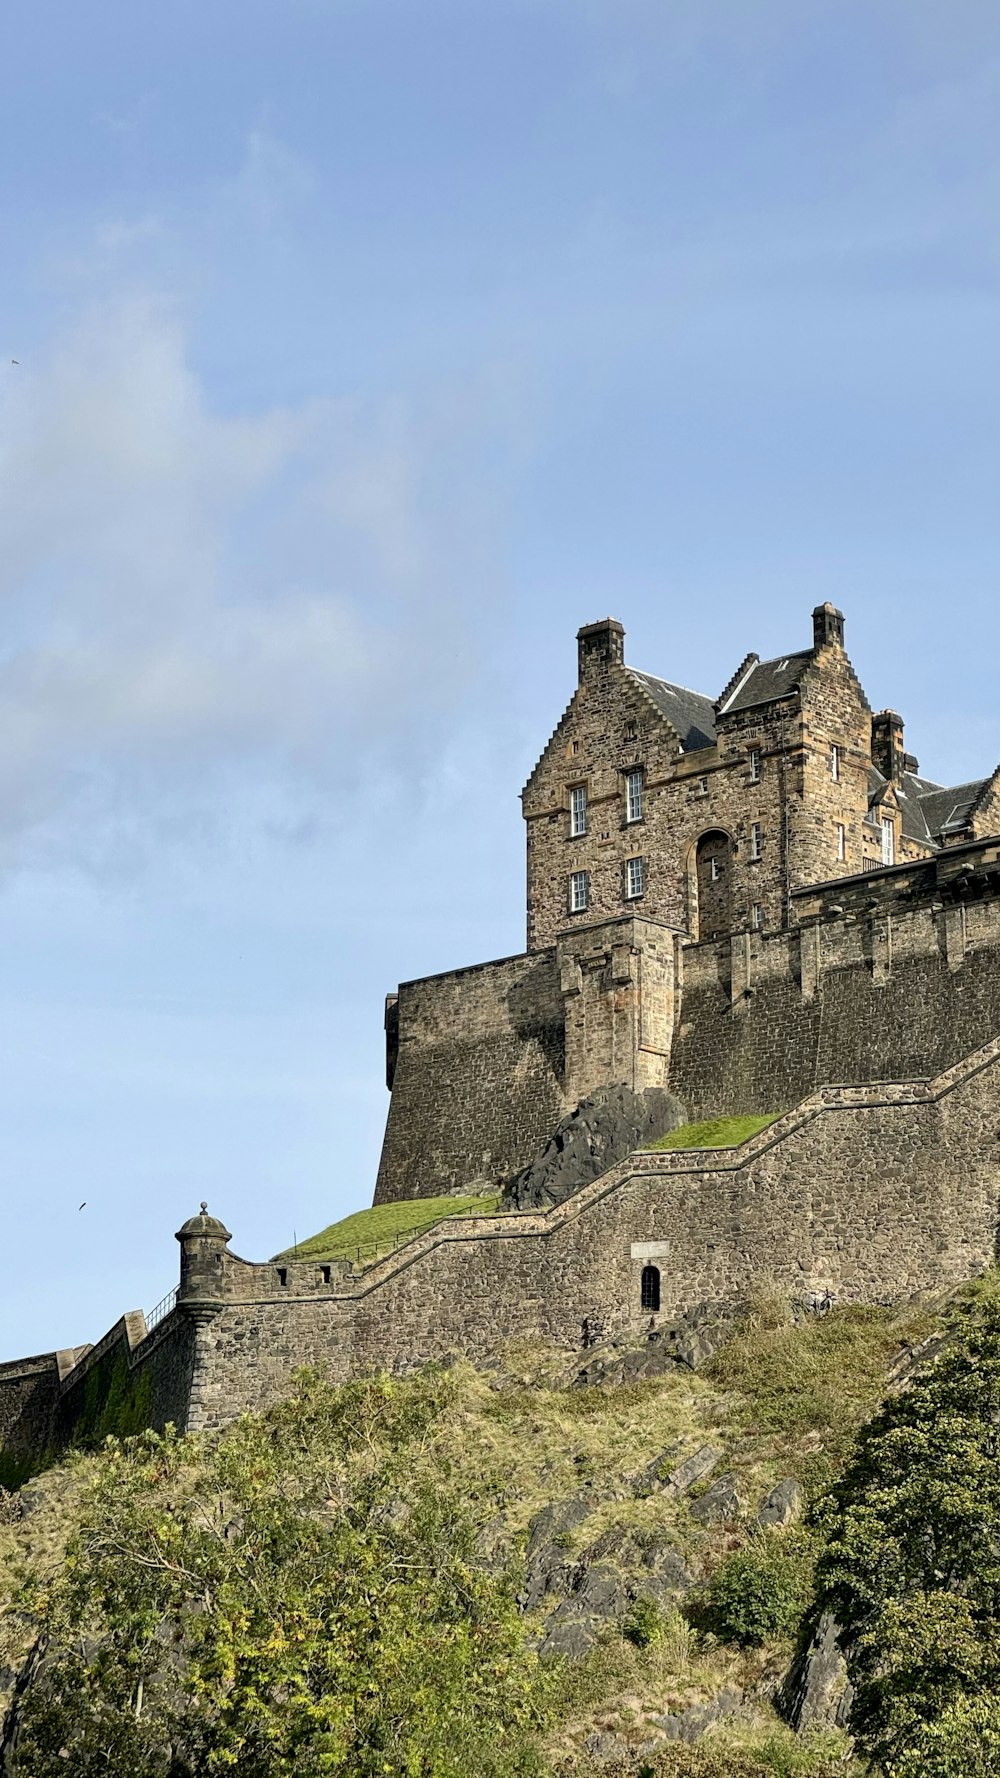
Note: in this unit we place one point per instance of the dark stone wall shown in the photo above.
(128, 1382)
(477, 1080)
(888, 1003)
(29, 1389)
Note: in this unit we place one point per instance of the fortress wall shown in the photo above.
(29, 1388)
(129, 1381)
(870, 1193)
(477, 1084)
(894, 998)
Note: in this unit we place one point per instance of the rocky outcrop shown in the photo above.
(817, 1693)
(782, 1506)
(691, 1342)
(605, 1128)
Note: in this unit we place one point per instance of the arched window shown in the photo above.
(649, 1288)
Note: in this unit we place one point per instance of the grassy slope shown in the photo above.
(782, 1399)
(716, 1132)
(368, 1233)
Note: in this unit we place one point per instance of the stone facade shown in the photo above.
(731, 804)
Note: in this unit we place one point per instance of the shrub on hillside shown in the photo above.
(912, 1566)
(759, 1591)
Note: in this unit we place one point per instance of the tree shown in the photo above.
(912, 1566)
(300, 1598)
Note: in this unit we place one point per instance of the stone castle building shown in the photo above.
(754, 901)
(660, 820)
(708, 814)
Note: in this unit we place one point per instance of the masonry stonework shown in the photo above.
(754, 901)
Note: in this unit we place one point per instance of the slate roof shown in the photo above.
(692, 715)
(769, 680)
(946, 809)
(930, 811)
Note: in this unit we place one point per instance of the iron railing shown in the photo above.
(162, 1309)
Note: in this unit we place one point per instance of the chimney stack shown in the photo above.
(888, 752)
(828, 627)
(600, 645)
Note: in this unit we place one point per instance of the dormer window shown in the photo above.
(633, 795)
(835, 764)
(577, 810)
(755, 765)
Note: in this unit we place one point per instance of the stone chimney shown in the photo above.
(828, 627)
(888, 752)
(203, 1240)
(600, 646)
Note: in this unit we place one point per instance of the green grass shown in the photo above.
(369, 1233)
(716, 1132)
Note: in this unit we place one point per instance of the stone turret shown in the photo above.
(203, 1240)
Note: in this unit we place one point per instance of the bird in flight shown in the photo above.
(82, 1206)
(15, 361)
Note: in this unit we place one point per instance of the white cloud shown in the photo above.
(198, 606)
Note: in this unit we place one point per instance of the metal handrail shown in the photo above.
(162, 1309)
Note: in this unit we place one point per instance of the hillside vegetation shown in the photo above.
(501, 1572)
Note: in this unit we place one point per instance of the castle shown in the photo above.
(659, 821)
(755, 901)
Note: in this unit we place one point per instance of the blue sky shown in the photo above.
(365, 349)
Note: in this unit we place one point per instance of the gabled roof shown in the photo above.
(691, 714)
(946, 810)
(768, 680)
(930, 811)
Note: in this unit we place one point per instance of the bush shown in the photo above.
(291, 1598)
(912, 1567)
(644, 1624)
(760, 1591)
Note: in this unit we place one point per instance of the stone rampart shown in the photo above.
(477, 1076)
(862, 1194)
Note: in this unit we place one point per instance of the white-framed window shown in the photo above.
(835, 764)
(702, 786)
(635, 878)
(757, 917)
(633, 795)
(578, 810)
(714, 869)
(755, 765)
(888, 840)
(756, 840)
(579, 884)
(841, 842)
